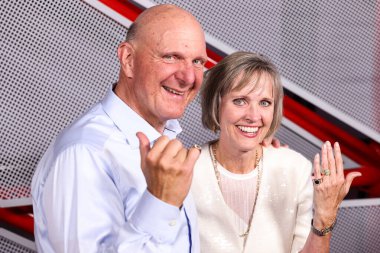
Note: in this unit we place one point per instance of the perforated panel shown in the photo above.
(57, 58)
(327, 48)
(357, 230)
(191, 123)
(298, 143)
(9, 246)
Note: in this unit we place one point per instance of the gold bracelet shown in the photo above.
(323, 231)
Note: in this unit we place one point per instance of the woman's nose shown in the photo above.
(252, 113)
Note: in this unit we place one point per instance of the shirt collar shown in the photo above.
(129, 122)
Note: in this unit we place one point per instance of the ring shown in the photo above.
(326, 172)
(197, 147)
(317, 181)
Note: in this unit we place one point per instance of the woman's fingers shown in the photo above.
(325, 163)
(317, 168)
(338, 160)
(334, 187)
(331, 162)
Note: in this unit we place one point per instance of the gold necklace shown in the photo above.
(212, 150)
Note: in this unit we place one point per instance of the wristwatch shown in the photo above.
(323, 231)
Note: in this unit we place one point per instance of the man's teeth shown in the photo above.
(248, 129)
(173, 91)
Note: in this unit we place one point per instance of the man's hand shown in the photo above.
(168, 168)
(274, 142)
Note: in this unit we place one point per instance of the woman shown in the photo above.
(252, 198)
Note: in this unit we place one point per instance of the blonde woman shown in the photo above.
(252, 198)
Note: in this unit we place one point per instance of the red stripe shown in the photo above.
(325, 130)
(17, 218)
(209, 65)
(124, 8)
(214, 56)
(369, 179)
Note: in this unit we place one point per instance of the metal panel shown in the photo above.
(13, 243)
(57, 58)
(358, 227)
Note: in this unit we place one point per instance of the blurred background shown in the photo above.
(57, 58)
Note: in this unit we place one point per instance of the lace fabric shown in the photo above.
(239, 191)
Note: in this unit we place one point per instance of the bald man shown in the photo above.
(117, 180)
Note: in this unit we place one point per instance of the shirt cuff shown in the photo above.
(159, 219)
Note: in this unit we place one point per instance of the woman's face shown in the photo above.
(246, 115)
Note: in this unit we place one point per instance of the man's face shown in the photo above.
(167, 71)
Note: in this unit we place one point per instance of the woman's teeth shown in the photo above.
(248, 129)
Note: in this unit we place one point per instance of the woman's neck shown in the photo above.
(237, 161)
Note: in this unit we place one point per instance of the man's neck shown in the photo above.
(123, 94)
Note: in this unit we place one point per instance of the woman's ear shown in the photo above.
(125, 53)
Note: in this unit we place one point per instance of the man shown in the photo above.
(91, 191)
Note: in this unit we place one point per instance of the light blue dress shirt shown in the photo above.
(89, 193)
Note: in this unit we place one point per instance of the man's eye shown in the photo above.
(198, 62)
(239, 101)
(169, 57)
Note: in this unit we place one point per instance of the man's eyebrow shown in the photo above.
(180, 54)
(202, 58)
(205, 58)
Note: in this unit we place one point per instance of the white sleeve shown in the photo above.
(304, 210)
(81, 209)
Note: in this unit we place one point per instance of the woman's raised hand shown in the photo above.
(330, 184)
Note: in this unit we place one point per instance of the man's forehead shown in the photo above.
(172, 38)
(182, 43)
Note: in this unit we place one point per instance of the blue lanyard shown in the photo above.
(189, 228)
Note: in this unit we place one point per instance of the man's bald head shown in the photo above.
(159, 16)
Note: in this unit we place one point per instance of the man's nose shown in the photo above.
(186, 74)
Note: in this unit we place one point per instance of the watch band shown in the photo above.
(323, 231)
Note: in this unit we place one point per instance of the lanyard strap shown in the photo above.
(189, 228)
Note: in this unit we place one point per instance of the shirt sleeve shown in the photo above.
(304, 211)
(83, 210)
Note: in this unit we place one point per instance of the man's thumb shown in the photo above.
(144, 144)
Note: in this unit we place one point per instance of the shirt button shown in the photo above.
(172, 223)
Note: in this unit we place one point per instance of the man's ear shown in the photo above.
(125, 53)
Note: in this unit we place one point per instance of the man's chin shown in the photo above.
(175, 114)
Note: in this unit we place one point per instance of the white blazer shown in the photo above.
(282, 217)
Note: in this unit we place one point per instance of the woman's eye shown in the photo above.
(239, 101)
(265, 103)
